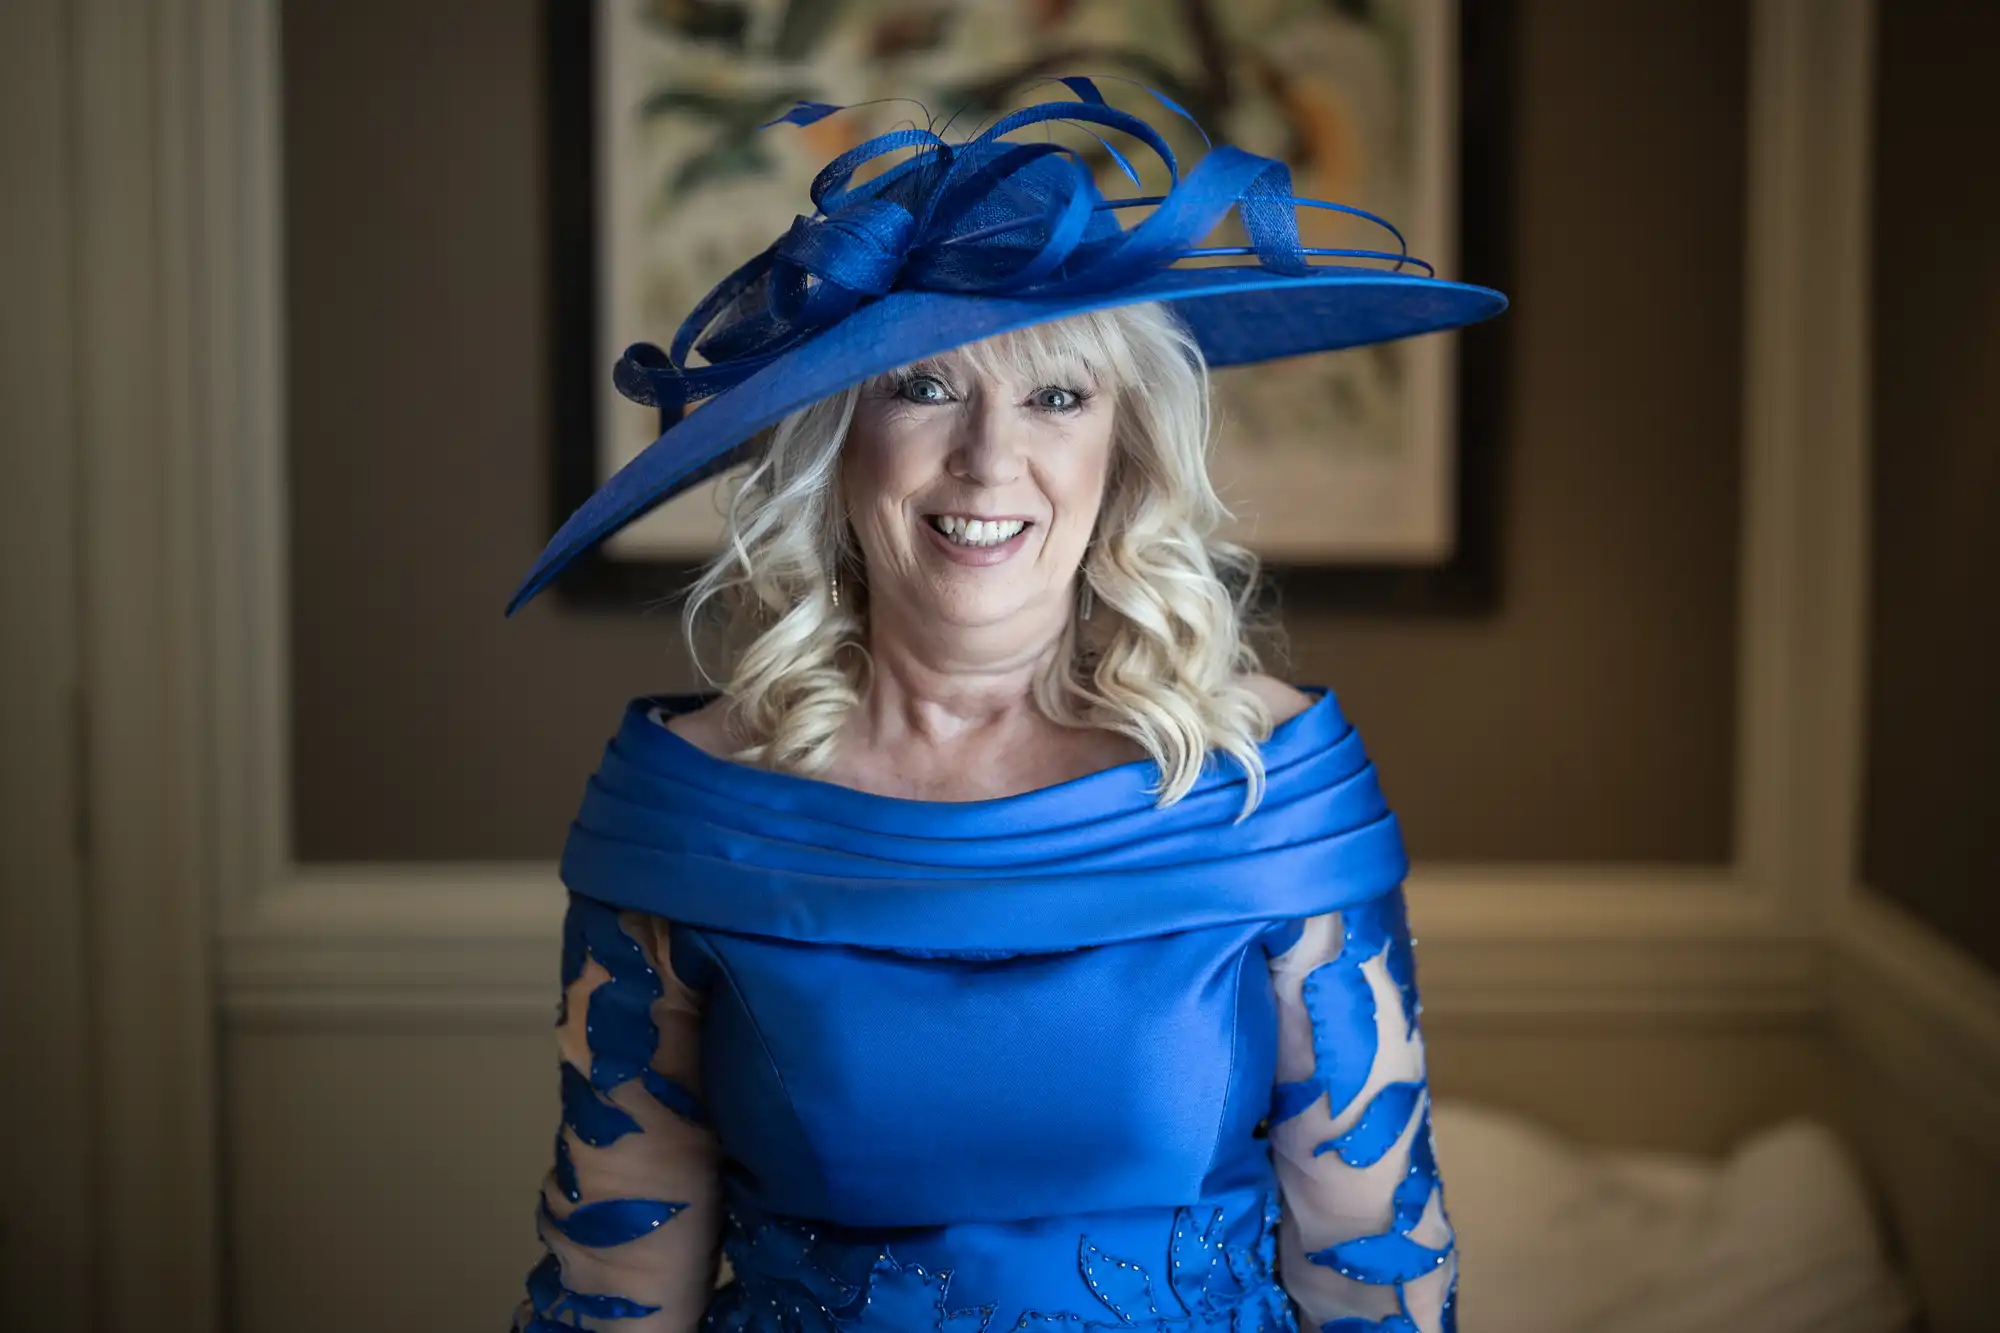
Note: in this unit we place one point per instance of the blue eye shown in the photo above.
(925, 389)
(1053, 399)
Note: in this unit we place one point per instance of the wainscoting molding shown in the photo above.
(478, 944)
(1921, 1013)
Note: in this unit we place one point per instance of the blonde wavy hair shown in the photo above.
(1161, 658)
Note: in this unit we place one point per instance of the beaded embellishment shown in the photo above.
(790, 1278)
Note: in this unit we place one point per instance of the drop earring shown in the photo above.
(833, 584)
(1085, 601)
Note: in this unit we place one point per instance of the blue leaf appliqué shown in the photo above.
(1379, 1127)
(1384, 1259)
(1395, 1323)
(1289, 1099)
(673, 1096)
(566, 1171)
(1123, 1287)
(1191, 1258)
(1341, 1003)
(551, 1298)
(592, 1119)
(613, 1221)
(907, 1296)
(1382, 926)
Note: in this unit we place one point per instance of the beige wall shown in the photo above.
(1588, 719)
(409, 1210)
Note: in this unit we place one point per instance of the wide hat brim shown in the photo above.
(1238, 315)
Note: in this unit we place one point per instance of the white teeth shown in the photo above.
(976, 531)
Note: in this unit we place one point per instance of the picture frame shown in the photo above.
(606, 291)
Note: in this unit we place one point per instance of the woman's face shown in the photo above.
(973, 493)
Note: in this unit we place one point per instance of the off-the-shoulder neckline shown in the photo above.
(668, 828)
(656, 709)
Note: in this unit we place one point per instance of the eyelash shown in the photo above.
(1078, 397)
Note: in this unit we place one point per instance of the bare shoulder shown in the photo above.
(1284, 701)
(708, 728)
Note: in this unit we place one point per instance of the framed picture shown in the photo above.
(1365, 478)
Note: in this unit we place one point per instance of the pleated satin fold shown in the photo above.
(668, 829)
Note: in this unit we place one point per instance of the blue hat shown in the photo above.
(964, 241)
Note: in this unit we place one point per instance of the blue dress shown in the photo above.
(1062, 1060)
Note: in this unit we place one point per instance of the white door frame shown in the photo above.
(119, 1190)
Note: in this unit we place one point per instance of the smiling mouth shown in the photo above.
(962, 531)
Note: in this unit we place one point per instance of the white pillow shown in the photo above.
(1556, 1238)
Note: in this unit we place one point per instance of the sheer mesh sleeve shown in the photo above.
(630, 1212)
(1364, 1245)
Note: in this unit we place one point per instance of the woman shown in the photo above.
(999, 949)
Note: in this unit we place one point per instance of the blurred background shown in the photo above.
(1701, 796)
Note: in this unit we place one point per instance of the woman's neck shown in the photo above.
(952, 716)
(941, 688)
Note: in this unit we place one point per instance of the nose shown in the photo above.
(988, 448)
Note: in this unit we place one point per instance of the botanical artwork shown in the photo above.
(1341, 458)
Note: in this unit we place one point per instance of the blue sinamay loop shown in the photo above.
(989, 216)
